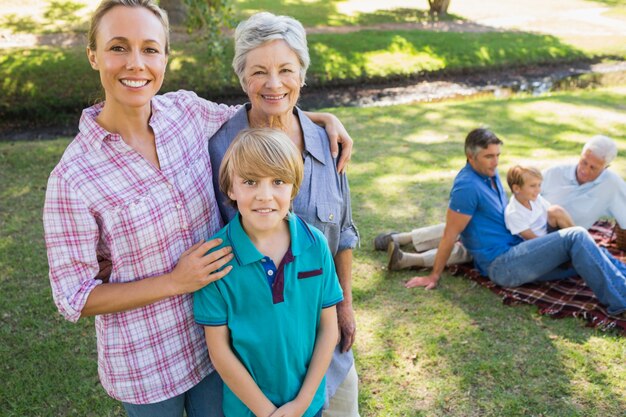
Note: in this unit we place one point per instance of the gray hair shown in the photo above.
(106, 5)
(602, 147)
(264, 27)
(479, 139)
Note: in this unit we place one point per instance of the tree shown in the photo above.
(207, 21)
(438, 7)
(200, 15)
(176, 11)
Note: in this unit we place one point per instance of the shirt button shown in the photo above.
(178, 206)
(270, 272)
(185, 226)
(170, 186)
(331, 217)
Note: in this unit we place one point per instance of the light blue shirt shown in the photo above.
(586, 203)
(272, 312)
(324, 196)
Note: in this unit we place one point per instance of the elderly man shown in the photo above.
(476, 212)
(588, 190)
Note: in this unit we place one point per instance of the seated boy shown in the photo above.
(271, 323)
(528, 214)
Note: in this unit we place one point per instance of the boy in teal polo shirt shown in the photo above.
(271, 323)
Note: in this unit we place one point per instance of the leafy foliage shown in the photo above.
(208, 20)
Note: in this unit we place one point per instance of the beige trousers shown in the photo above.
(425, 240)
(345, 402)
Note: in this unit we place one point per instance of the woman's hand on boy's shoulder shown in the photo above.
(197, 268)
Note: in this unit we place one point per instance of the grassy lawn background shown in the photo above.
(28, 93)
(454, 351)
(53, 16)
(27, 90)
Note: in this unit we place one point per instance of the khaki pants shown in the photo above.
(425, 240)
(345, 402)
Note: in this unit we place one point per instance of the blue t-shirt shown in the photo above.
(273, 313)
(486, 236)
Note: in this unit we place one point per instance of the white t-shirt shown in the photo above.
(518, 218)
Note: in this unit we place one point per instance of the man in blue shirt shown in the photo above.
(476, 212)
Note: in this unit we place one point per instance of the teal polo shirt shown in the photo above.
(273, 313)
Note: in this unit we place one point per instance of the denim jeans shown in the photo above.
(202, 400)
(540, 259)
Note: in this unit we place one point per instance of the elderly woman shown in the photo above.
(271, 59)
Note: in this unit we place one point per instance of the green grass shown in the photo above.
(56, 16)
(27, 90)
(384, 54)
(313, 13)
(454, 351)
(458, 351)
(50, 363)
(618, 11)
(43, 17)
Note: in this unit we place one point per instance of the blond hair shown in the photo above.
(106, 5)
(258, 153)
(515, 175)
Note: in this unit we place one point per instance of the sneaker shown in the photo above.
(395, 256)
(381, 242)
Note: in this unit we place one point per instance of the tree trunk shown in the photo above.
(439, 7)
(176, 11)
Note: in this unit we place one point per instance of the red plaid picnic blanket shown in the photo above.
(564, 298)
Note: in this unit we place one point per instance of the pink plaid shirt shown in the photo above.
(104, 198)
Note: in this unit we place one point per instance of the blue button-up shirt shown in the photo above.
(324, 196)
(486, 236)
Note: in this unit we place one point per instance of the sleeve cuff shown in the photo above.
(348, 239)
(211, 323)
(72, 307)
(332, 303)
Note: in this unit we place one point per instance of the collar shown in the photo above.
(312, 141)
(93, 133)
(484, 178)
(313, 144)
(571, 174)
(96, 134)
(572, 177)
(246, 253)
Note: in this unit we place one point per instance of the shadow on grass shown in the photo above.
(40, 84)
(424, 156)
(459, 351)
(58, 16)
(327, 13)
(456, 351)
(612, 3)
(44, 355)
(371, 55)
